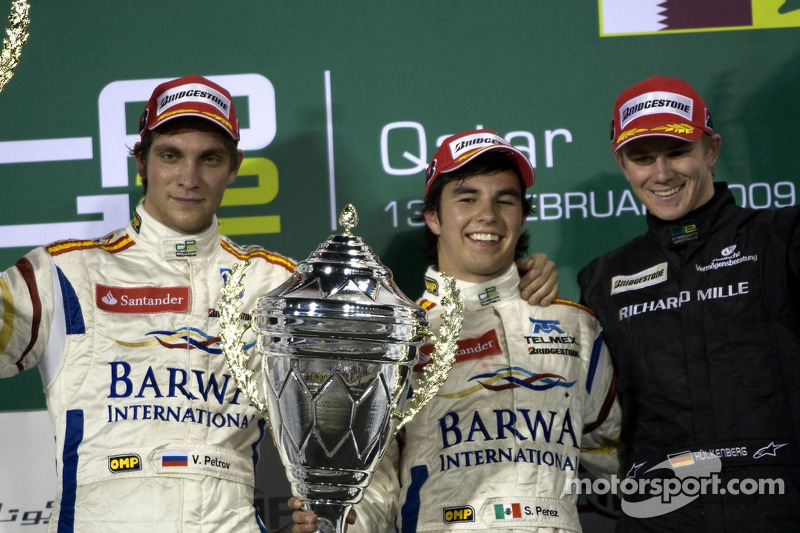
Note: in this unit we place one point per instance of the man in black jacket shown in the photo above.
(702, 317)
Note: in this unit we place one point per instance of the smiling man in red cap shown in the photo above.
(497, 448)
(151, 433)
(702, 317)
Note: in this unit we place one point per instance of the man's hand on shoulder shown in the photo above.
(538, 279)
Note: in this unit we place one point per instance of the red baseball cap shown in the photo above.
(662, 106)
(190, 96)
(461, 148)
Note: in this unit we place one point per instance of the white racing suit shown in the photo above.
(497, 447)
(152, 434)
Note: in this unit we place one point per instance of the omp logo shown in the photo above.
(431, 286)
(545, 326)
(620, 17)
(104, 212)
(124, 463)
(452, 515)
(141, 300)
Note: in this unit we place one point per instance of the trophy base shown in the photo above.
(331, 516)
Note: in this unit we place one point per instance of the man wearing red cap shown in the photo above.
(702, 317)
(151, 432)
(497, 448)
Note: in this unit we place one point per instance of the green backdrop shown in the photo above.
(361, 94)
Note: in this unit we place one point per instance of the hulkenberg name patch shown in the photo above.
(655, 102)
(652, 276)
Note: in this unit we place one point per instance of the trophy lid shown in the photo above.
(342, 288)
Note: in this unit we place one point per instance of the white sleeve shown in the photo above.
(601, 449)
(29, 317)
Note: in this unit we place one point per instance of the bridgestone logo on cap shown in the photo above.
(473, 142)
(655, 102)
(194, 92)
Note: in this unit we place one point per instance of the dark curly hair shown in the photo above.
(488, 163)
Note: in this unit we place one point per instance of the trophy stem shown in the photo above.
(331, 516)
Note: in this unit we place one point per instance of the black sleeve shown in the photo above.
(787, 227)
(587, 282)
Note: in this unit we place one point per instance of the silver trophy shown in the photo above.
(336, 344)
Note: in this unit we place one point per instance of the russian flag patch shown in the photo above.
(174, 458)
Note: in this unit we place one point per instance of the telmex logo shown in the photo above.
(545, 326)
(124, 463)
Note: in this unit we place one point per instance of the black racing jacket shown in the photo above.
(702, 318)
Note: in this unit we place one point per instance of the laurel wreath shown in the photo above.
(444, 356)
(16, 38)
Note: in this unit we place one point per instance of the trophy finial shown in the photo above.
(348, 218)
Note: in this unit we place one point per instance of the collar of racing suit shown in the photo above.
(475, 295)
(696, 225)
(171, 245)
(168, 243)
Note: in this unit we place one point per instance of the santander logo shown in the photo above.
(109, 299)
(141, 300)
(483, 345)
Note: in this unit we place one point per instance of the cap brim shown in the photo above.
(657, 127)
(523, 163)
(213, 118)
